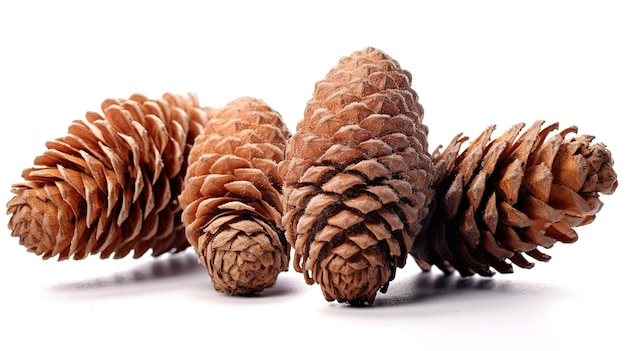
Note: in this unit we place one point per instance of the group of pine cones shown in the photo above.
(354, 191)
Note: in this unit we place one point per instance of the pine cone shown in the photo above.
(358, 178)
(499, 200)
(232, 198)
(110, 185)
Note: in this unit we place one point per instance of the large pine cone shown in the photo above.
(111, 185)
(358, 178)
(501, 199)
(232, 198)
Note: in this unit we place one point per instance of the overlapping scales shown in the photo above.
(357, 178)
(110, 185)
(502, 199)
(232, 198)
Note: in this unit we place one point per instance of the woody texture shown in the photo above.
(110, 185)
(501, 200)
(357, 178)
(232, 197)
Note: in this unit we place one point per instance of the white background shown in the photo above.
(473, 64)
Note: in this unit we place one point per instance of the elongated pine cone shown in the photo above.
(111, 184)
(232, 197)
(358, 178)
(500, 200)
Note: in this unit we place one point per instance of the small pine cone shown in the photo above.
(232, 197)
(110, 185)
(358, 178)
(501, 199)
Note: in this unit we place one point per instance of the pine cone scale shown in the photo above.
(353, 178)
(232, 197)
(519, 191)
(89, 192)
(491, 246)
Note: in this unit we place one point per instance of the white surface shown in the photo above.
(472, 64)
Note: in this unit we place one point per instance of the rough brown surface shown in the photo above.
(357, 178)
(501, 199)
(232, 198)
(110, 185)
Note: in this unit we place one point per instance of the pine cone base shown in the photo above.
(243, 257)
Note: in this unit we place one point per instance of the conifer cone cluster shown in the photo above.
(501, 200)
(232, 197)
(110, 185)
(354, 191)
(357, 178)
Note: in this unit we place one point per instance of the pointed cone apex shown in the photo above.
(110, 186)
(232, 197)
(502, 199)
(358, 178)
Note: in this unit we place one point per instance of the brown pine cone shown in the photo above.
(232, 197)
(358, 178)
(110, 185)
(499, 200)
